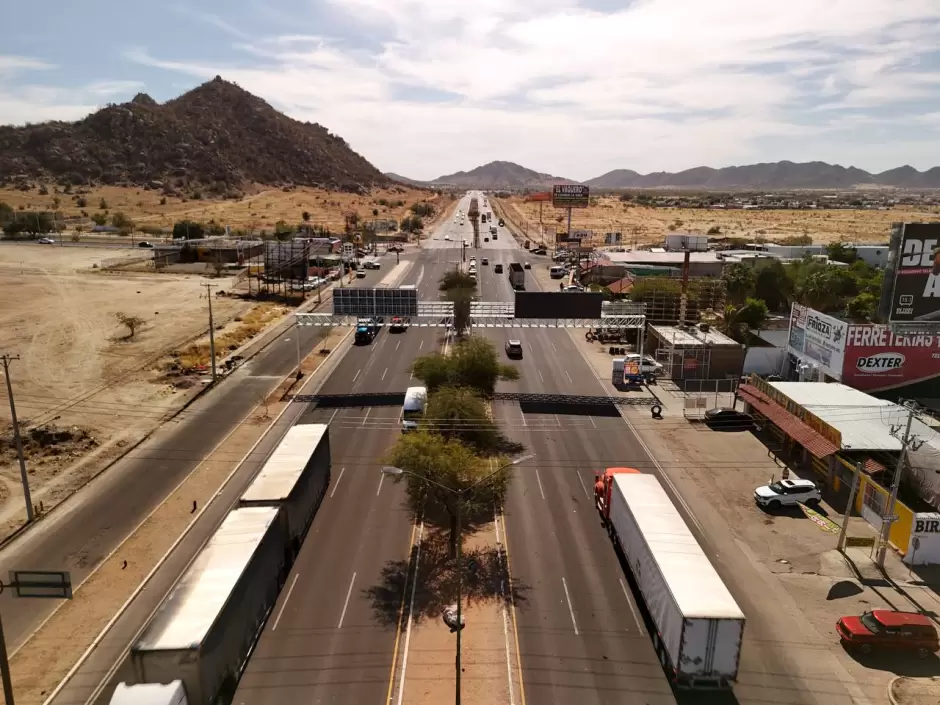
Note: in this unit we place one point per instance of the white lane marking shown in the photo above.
(626, 594)
(338, 479)
(346, 603)
(592, 421)
(583, 486)
(411, 609)
(366, 417)
(421, 346)
(574, 623)
(398, 345)
(541, 377)
(524, 423)
(284, 604)
(569, 377)
(335, 412)
(554, 348)
(357, 374)
(381, 480)
(539, 479)
(385, 373)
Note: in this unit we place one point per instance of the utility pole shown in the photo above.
(906, 441)
(848, 507)
(7, 359)
(211, 332)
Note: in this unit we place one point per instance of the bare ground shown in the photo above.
(651, 225)
(81, 375)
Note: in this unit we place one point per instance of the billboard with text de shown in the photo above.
(915, 294)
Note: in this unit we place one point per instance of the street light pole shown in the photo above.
(388, 470)
(899, 470)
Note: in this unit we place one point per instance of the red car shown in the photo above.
(890, 631)
(398, 324)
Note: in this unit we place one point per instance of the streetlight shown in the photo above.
(389, 470)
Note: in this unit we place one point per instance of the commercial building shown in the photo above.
(831, 429)
(701, 264)
(873, 255)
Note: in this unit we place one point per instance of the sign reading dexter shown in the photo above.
(877, 359)
(915, 297)
(571, 196)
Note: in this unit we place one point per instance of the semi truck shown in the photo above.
(516, 276)
(366, 330)
(203, 632)
(149, 694)
(698, 626)
(294, 478)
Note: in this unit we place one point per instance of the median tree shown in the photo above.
(442, 473)
(460, 413)
(473, 363)
(459, 288)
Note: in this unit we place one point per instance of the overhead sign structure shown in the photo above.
(355, 301)
(915, 286)
(571, 196)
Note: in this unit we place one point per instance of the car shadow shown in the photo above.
(899, 663)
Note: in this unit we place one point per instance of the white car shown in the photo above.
(447, 237)
(648, 364)
(46, 241)
(787, 493)
(371, 264)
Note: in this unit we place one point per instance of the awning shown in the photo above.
(810, 439)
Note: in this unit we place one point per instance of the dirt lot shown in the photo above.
(84, 385)
(260, 209)
(651, 225)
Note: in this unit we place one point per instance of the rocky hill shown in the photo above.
(405, 180)
(500, 175)
(775, 175)
(217, 136)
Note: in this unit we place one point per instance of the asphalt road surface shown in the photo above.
(329, 640)
(78, 535)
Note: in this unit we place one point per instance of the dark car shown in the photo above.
(497, 269)
(514, 349)
(889, 630)
(144, 243)
(729, 420)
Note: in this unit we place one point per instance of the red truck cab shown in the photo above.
(890, 631)
(603, 484)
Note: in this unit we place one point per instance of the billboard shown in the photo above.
(876, 359)
(818, 338)
(556, 304)
(571, 196)
(915, 284)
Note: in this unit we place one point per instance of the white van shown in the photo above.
(416, 398)
(557, 272)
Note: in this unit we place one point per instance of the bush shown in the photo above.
(187, 230)
(163, 201)
(102, 205)
(121, 221)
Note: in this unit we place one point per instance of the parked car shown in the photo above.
(729, 419)
(371, 264)
(787, 493)
(144, 243)
(890, 631)
(396, 248)
(514, 349)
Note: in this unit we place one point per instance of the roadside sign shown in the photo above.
(889, 518)
(42, 583)
(571, 196)
(581, 234)
(859, 541)
(915, 284)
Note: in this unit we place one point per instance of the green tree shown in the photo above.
(459, 288)
(772, 285)
(102, 205)
(411, 224)
(422, 209)
(442, 472)
(738, 320)
(460, 413)
(472, 363)
(306, 216)
(122, 221)
(99, 218)
(862, 308)
(7, 214)
(187, 230)
(739, 280)
(838, 252)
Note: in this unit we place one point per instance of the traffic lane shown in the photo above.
(579, 634)
(327, 639)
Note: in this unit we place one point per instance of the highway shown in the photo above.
(325, 641)
(80, 533)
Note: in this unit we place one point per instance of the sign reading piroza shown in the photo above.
(571, 196)
(915, 296)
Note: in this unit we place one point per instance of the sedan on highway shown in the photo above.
(514, 349)
(46, 241)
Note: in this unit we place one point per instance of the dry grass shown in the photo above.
(260, 209)
(232, 336)
(651, 225)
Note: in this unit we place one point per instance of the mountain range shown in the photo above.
(769, 176)
(217, 136)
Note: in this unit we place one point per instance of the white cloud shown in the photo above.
(658, 84)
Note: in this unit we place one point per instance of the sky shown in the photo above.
(574, 88)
